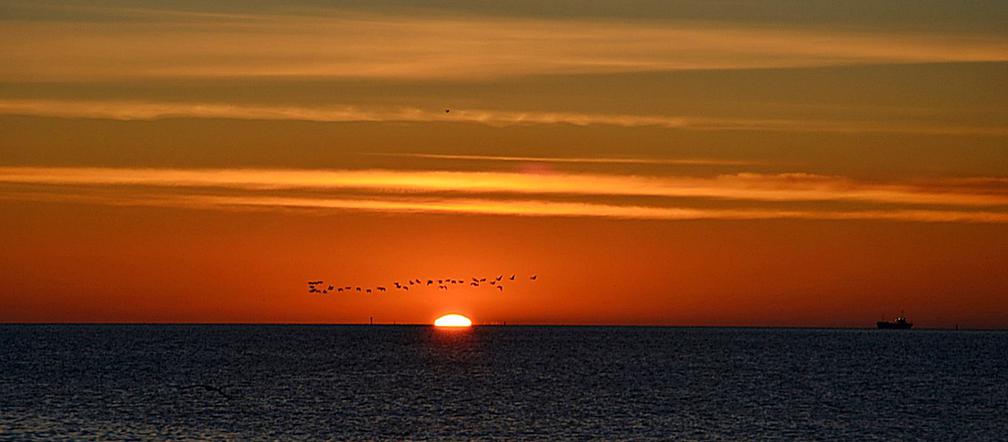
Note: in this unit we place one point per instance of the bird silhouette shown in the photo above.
(321, 287)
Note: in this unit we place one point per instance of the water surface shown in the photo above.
(507, 383)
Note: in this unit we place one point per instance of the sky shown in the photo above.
(711, 163)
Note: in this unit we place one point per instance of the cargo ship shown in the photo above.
(900, 323)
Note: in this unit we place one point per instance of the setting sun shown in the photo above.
(453, 320)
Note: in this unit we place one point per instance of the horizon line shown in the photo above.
(431, 325)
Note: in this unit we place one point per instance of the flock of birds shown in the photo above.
(321, 287)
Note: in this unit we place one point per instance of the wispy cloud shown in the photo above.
(571, 160)
(397, 47)
(470, 206)
(564, 209)
(742, 186)
(134, 110)
(983, 200)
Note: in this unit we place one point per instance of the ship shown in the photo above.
(900, 323)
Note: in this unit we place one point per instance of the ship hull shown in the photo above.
(884, 325)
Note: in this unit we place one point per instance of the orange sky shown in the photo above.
(687, 165)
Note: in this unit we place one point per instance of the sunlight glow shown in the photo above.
(453, 320)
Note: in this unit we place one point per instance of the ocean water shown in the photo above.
(506, 383)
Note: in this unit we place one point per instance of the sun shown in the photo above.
(453, 320)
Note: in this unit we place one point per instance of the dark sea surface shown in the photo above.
(506, 383)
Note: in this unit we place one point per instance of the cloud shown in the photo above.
(469, 206)
(345, 45)
(742, 186)
(135, 110)
(503, 193)
(572, 160)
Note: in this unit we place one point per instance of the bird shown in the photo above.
(320, 286)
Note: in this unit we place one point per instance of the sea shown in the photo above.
(253, 382)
